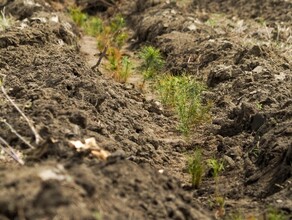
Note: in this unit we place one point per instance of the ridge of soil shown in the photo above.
(249, 81)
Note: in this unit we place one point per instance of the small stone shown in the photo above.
(192, 27)
(280, 77)
(129, 86)
(279, 200)
(173, 11)
(161, 171)
(54, 19)
(258, 69)
(235, 152)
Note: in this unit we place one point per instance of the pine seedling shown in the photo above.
(126, 69)
(166, 86)
(117, 23)
(274, 214)
(123, 71)
(78, 16)
(114, 58)
(216, 166)
(120, 39)
(152, 61)
(103, 39)
(184, 94)
(196, 168)
(93, 26)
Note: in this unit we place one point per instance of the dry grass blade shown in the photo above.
(16, 133)
(33, 129)
(10, 151)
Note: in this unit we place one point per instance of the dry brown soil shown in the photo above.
(243, 53)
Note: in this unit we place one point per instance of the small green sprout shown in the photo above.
(259, 106)
(184, 94)
(97, 215)
(217, 167)
(211, 22)
(196, 168)
(235, 216)
(114, 58)
(126, 69)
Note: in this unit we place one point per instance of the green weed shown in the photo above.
(152, 61)
(196, 168)
(184, 94)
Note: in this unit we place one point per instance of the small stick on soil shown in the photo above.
(103, 53)
(10, 152)
(16, 133)
(30, 124)
(190, 57)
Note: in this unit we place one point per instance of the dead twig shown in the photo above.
(10, 151)
(30, 124)
(102, 54)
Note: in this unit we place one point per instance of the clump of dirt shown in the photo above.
(48, 78)
(117, 189)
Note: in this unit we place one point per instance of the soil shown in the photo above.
(245, 63)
